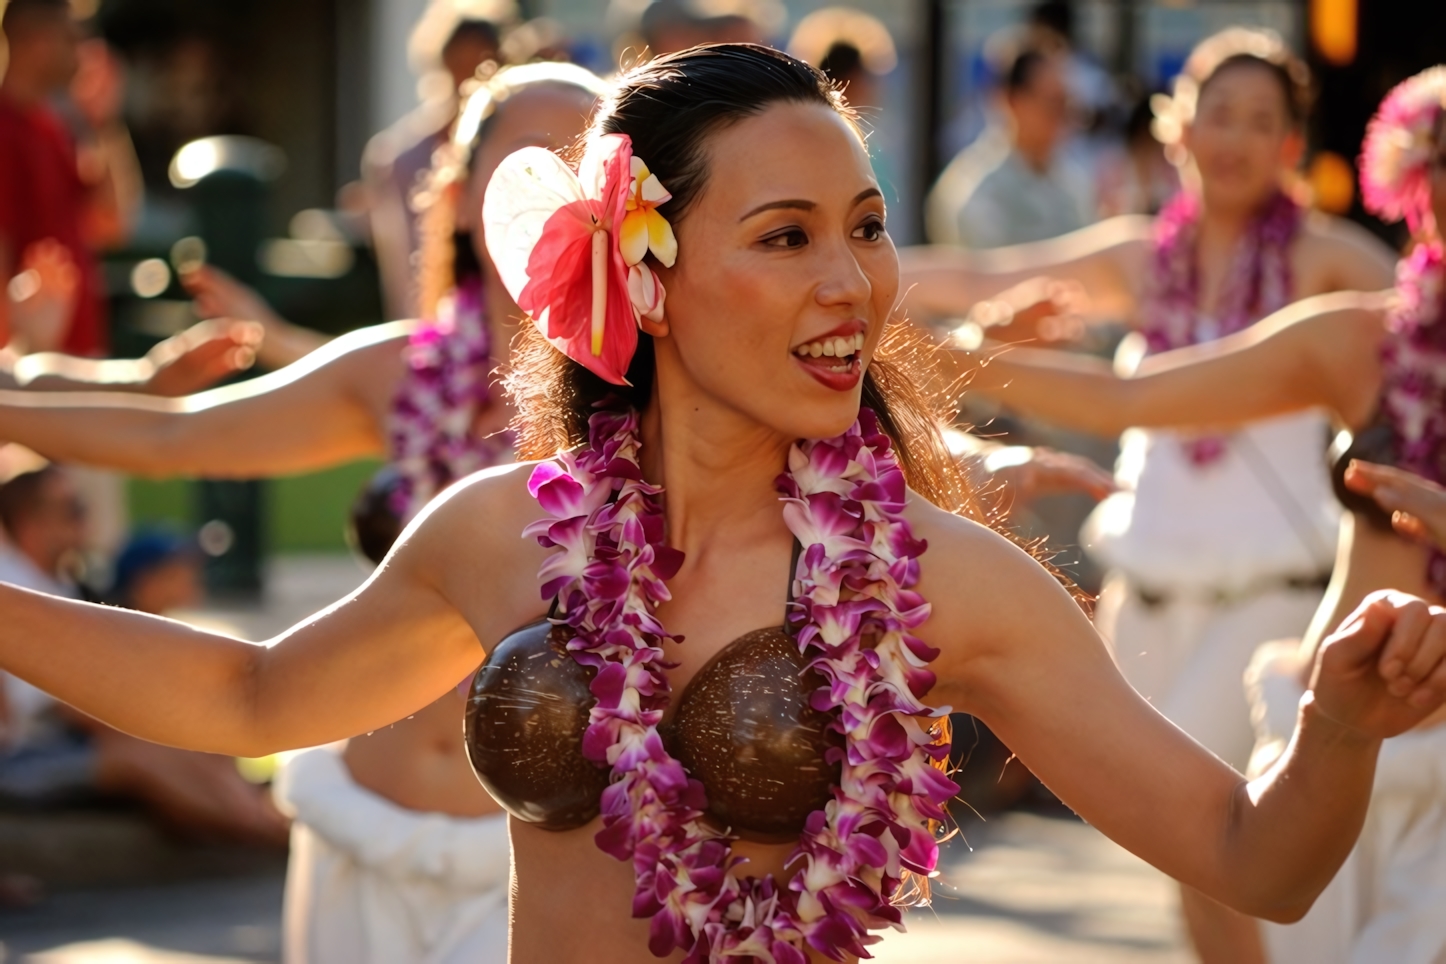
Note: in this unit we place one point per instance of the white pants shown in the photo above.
(1187, 655)
(370, 882)
(1387, 904)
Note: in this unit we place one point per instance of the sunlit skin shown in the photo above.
(1242, 144)
(731, 396)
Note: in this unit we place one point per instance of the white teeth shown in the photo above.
(832, 347)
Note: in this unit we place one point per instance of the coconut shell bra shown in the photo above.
(743, 727)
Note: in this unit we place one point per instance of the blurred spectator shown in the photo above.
(540, 38)
(852, 48)
(450, 43)
(158, 573)
(61, 197)
(667, 26)
(855, 51)
(51, 755)
(1012, 186)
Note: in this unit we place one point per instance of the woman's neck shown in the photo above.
(1222, 227)
(716, 464)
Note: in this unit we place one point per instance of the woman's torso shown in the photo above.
(1225, 511)
(572, 902)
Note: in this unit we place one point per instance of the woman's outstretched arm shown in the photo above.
(385, 651)
(1320, 351)
(1018, 652)
(319, 412)
(945, 282)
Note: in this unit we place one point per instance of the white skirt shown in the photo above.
(1387, 904)
(370, 882)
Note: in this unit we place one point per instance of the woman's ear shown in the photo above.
(658, 329)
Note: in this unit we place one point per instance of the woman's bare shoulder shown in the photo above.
(968, 560)
(1350, 256)
(484, 505)
(982, 588)
(471, 536)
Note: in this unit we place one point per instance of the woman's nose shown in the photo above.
(845, 282)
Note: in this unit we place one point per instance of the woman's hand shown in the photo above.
(200, 356)
(1046, 310)
(42, 297)
(1384, 670)
(1027, 472)
(218, 295)
(1417, 505)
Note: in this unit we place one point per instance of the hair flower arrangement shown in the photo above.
(1396, 154)
(570, 248)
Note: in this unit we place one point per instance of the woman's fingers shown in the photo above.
(1417, 505)
(1410, 619)
(1428, 654)
(1432, 689)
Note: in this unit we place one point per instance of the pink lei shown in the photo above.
(432, 442)
(1413, 363)
(1257, 283)
(844, 500)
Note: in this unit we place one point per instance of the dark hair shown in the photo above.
(1056, 15)
(842, 62)
(21, 13)
(481, 30)
(669, 107)
(1019, 72)
(1237, 47)
(20, 497)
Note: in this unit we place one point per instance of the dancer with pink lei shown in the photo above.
(703, 472)
(397, 853)
(1215, 542)
(1379, 365)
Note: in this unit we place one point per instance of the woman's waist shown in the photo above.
(419, 775)
(554, 869)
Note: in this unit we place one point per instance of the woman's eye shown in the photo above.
(870, 230)
(791, 238)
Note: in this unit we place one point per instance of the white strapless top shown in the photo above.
(1262, 510)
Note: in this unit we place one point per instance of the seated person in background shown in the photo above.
(51, 755)
(157, 573)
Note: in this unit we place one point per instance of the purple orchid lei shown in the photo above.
(844, 499)
(432, 443)
(1413, 362)
(1257, 283)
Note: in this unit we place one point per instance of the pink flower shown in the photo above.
(570, 247)
(1396, 151)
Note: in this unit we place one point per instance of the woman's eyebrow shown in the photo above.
(797, 204)
(800, 204)
(864, 195)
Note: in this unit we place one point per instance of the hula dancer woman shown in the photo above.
(1378, 365)
(681, 781)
